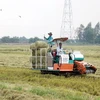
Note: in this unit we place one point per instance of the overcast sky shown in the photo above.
(32, 18)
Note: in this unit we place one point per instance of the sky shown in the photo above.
(36, 18)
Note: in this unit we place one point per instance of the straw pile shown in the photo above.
(38, 45)
(38, 61)
(36, 50)
(42, 52)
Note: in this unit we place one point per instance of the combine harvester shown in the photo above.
(68, 63)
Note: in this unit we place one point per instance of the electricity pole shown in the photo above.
(67, 25)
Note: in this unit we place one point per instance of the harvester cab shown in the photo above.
(58, 61)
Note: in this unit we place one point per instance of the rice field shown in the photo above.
(19, 82)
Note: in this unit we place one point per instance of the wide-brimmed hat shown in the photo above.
(50, 33)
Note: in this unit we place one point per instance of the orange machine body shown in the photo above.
(63, 67)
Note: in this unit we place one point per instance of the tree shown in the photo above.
(80, 32)
(97, 39)
(14, 40)
(97, 28)
(36, 39)
(23, 40)
(88, 35)
(97, 33)
(5, 39)
(31, 40)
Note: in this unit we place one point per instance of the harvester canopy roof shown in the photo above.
(63, 39)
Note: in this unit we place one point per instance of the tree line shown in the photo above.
(8, 39)
(89, 34)
(86, 35)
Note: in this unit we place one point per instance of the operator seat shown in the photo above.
(54, 52)
(55, 57)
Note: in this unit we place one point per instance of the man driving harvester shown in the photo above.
(59, 49)
(57, 52)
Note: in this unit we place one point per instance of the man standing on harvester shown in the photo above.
(49, 39)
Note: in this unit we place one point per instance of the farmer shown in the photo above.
(49, 39)
(59, 49)
(57, 53)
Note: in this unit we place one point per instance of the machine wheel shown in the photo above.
(67, 74)
(43, 72)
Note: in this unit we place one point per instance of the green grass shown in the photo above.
(19, 82)
(41, 93)
(57, 87)
(15, 56)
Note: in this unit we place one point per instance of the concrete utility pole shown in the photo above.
(67, 25)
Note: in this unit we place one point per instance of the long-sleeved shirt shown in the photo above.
(49, 40)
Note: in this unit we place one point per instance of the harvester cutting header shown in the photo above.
(51, 59)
